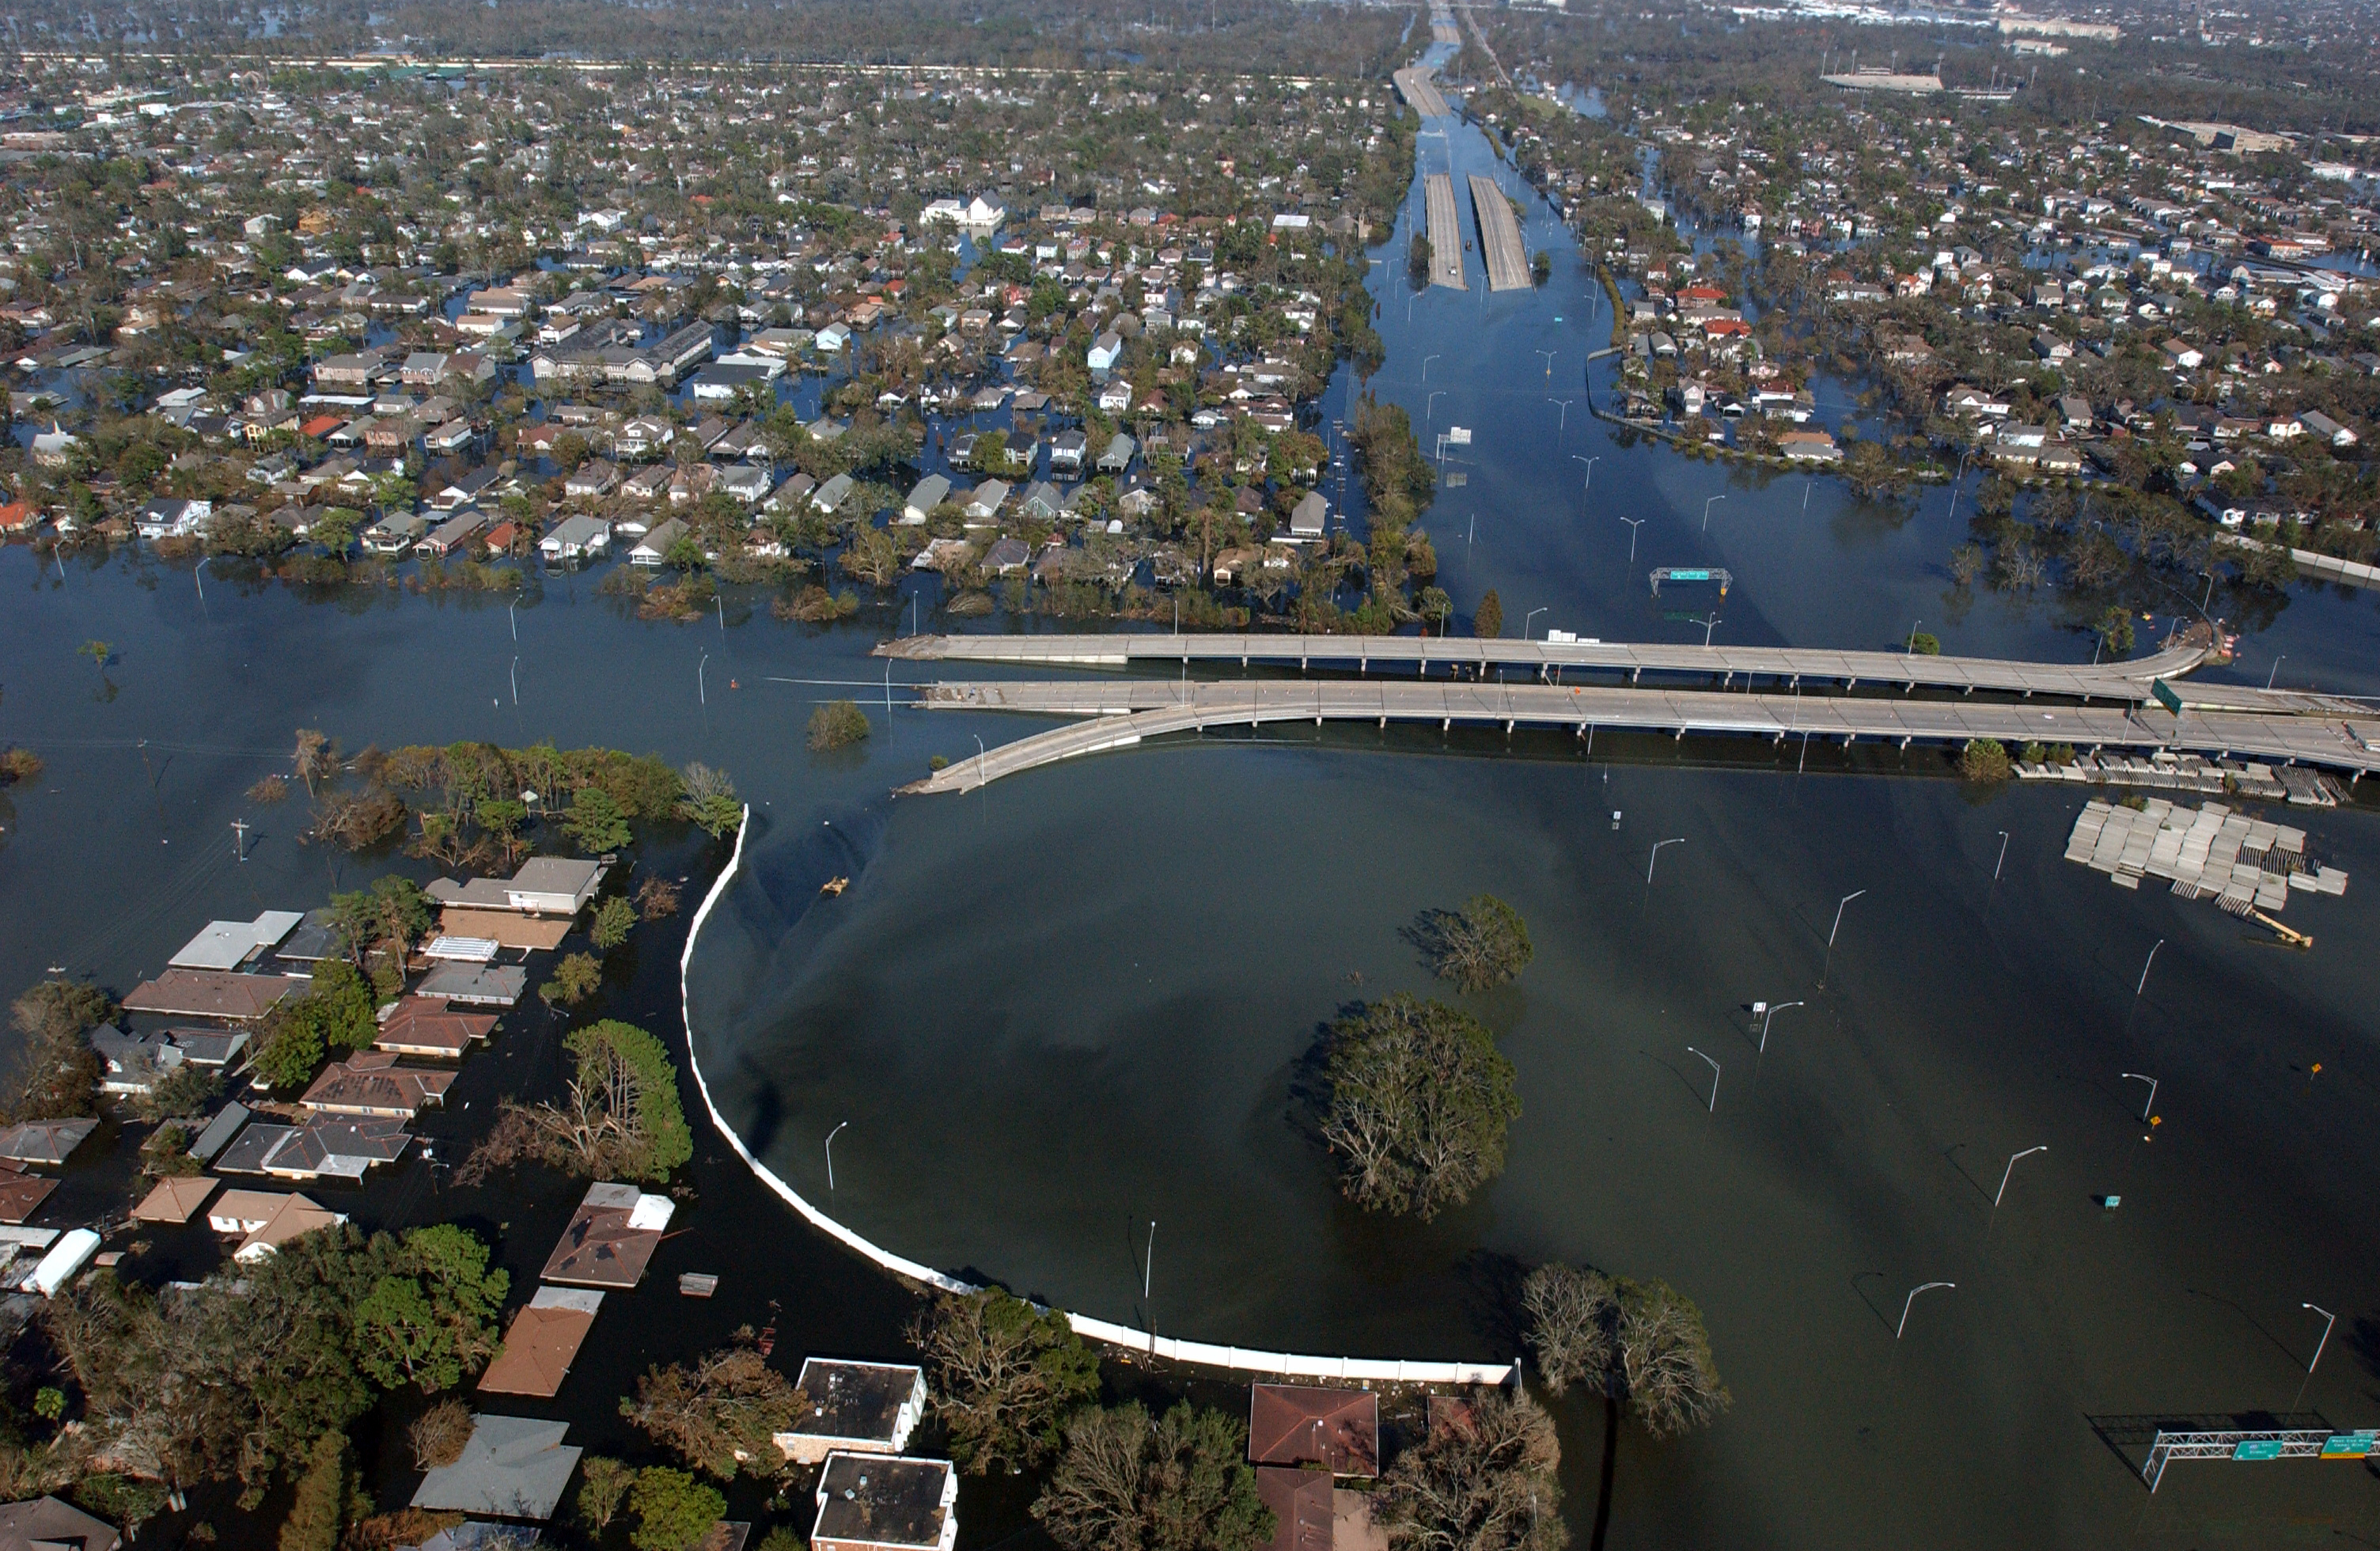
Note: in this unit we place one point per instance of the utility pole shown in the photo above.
(239, 838)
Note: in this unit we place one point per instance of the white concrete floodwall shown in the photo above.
(1235, 1359)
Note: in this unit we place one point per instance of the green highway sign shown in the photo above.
(2165, 695)
(2257, 1448)
(1679, 574)
(2347, 1446)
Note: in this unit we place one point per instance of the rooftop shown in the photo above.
(876, 1500)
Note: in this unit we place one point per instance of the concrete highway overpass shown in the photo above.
(1470, 656)
(1120, 714)
(1445, 231)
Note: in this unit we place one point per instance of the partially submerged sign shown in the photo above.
(2165, 695)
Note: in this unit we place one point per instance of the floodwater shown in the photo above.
(1078, 1003)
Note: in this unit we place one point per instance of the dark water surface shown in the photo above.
(1079, 1002)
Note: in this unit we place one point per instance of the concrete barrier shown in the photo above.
(1234, 1359)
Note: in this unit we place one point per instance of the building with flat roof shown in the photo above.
(856, 1408)
(876, 1502)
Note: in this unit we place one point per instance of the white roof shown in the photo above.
(228, 944)
(652, 1213)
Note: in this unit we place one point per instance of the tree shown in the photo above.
(1665, 1360)
(1924, 643)
(836, 725)
(719, 1415)
(614, 919)
(55, 1073)
(620, 1118)
(1005, 1375)
(1485, 1481)
(1482, 945)
(1572, 1314)
(674, 1511)
(576, 977)
(710, 801)
(319, 1511)
(1488, 623)
(602, 1483)
(429, 1319)
(439, 1434)
(98, 651)
(334, 1012)
(315, 759)
(1984, 759)
(1419, 1100)
(390, 914)
(1180, 1483)
(597, 822)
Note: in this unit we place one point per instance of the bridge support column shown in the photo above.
(1635, 675)
(1904, 745)
(1384, 724)
(1447, 725)
(1508, 727)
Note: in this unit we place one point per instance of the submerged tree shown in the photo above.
(1641, 1342)
(1482, 945)
(1418, 1104)
(1180, 1483)
(836, 725)
(1005, 1375)
(55, 1073)
(1571, 1318)
(721, 1414)
(619, 1118)
(1485, 1481)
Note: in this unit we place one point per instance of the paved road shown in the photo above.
(1465, 654)
(1499, 236)
(1122, 714)
(1445, 233)
(1414, 83)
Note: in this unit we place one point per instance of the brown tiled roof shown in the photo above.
(174, 1200)
(373, 1084)
(537, 1351)
(22, 1195)
(427, 1025)
(1301, 1507)
(206, 993)
(598, 1248)
(1290, 1425)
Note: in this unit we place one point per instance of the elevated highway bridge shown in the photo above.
(1118, 714)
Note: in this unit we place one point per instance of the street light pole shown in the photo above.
(2010, 1169)
(1772, 1011)
(2276, 668)
(1149, 1262)
(1633, 523)
(1712, 1107)
(1531, 620)
(1899, 1329)
(1827, 968)
(1563, 424)
(979, 781)
(1549, 355)
(1657, 856)
(1425, 366)
(1706, 506)
(2144, 971)
(1429, 407)
(1996, 865)
(1911, 650)
(2328, 1319)
(830, 1158)
(2140, 1077)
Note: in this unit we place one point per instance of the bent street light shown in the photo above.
(1914, 1291)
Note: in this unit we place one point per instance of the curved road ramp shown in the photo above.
(1419, 91)
(2132, 711)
